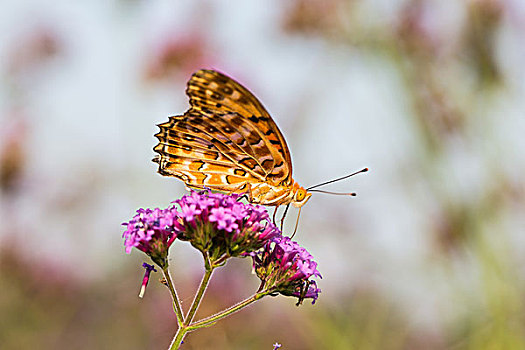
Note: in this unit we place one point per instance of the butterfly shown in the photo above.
(227, 141)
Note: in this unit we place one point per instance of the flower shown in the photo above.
(189, 212)
(285, 267)
(216, 224)
(224, 219)
(152, 231)
(145, 280)
(221, 226)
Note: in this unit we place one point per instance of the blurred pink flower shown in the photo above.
(32, 50)
(312, 17)
(176, 55)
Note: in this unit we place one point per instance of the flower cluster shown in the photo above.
(152, 231)
(285, 267)
(221, 226)
(216, 224)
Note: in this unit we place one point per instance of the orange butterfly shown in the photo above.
(228, 142)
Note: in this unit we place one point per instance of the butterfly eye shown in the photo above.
(300, 195)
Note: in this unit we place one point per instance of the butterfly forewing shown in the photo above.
(226, 140)
(211, 91)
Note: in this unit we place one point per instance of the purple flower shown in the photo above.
(224, 219)
(152, 231)
(215, 223)
(286, 268)
(238, 211)
(188, 212)
(221, 226)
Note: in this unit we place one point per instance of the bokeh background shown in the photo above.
(429, 94)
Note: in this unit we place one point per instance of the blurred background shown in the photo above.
(429, 94)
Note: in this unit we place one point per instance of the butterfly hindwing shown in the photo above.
(186, 138)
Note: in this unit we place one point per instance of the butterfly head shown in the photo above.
(301, 196)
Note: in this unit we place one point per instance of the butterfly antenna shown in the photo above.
(296, 223)
(338, 179)
(353, 194)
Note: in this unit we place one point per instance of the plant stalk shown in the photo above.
(198, 296)
(176, 303)
(212, 319)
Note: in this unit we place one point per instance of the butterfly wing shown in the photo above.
(211, 91)
(225, 141)
(197, 152)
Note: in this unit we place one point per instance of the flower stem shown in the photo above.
(176, 303)
(208, 321)
(179, 337)
(199, 295)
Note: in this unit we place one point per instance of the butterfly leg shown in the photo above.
(275, 214)
(284, 215)
(296, 223)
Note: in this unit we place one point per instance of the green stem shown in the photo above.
(199, 295)
(176, 303)
(212, 319)
(179, 337)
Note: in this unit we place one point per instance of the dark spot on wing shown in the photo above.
(249, 162)
(217, 96)
(201, 164)
(256, 142)
(267, 164)
(242, 100)
(221, 79)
